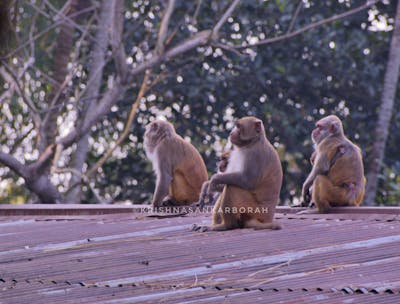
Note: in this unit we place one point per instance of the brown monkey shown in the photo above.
(205, 196)
(178, 165)
(340, 151)
(337, 177)
(252, 181)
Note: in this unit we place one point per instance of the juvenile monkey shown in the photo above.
(251, 183)
(337, 176)
(179, 167)
(205, 196)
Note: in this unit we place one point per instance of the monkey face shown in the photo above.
(318, 133)
(329, 125)
(156, 131)
(246, 131)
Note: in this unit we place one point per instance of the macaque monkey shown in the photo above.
(337, 176)
(339, 152)
(210, 198)
(179, 167)
(251, 183)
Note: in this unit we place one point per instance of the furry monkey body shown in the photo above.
(179, 167)
(337, 177)
(252, 181)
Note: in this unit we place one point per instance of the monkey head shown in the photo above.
(155, 132)
(327, 126)
(247, 131)
(223, 162)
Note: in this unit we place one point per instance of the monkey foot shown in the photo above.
(199, 228)
(198, 204)
(170, 202)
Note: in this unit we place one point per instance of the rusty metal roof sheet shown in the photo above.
(103, 256)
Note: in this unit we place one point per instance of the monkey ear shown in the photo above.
(154, 126)
(258, 126)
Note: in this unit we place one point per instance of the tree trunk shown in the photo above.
(93, 91)
(385, 113)
(55, 98)
(37, 179)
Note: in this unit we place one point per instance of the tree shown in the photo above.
(179, 59)
(385, 112)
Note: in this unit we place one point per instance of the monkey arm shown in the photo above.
(162, 188)
(204, 194)
(235, 178)
(321, 166)
(312, 158)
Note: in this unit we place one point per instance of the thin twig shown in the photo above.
(162, 34)
(295, 15)
(223, 19)
(9, 76)
(197, 11)
(83, 179)
(45, 31)
(310, 26)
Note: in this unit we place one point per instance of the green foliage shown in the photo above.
(337, 68)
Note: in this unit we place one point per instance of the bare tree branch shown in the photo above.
(118, 88)
(223, 19)
(116, 31)
(69, 75)
(14, 164)
(81, 178)
(162, 34)
(145, 87)
(110, 98)
(294, 18)
(98, 61)
(197, 11)
(386, 112)
(310, 26)
(43, 159)
(10, 77)
(45, 31)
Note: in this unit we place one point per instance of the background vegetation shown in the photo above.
(77, 73)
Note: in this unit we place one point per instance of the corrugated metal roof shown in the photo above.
(109, 257)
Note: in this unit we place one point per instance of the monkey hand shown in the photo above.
(305, 193)
(215, 181)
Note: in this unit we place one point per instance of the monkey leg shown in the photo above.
(223, 216)
(261, 216)
(360, 196)
(216, 217)
(326, 195)
(216, 212)
(181, 191)
(238, 208)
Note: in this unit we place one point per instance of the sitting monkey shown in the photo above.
(337, 176)
(251, 183)
(179, 167)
